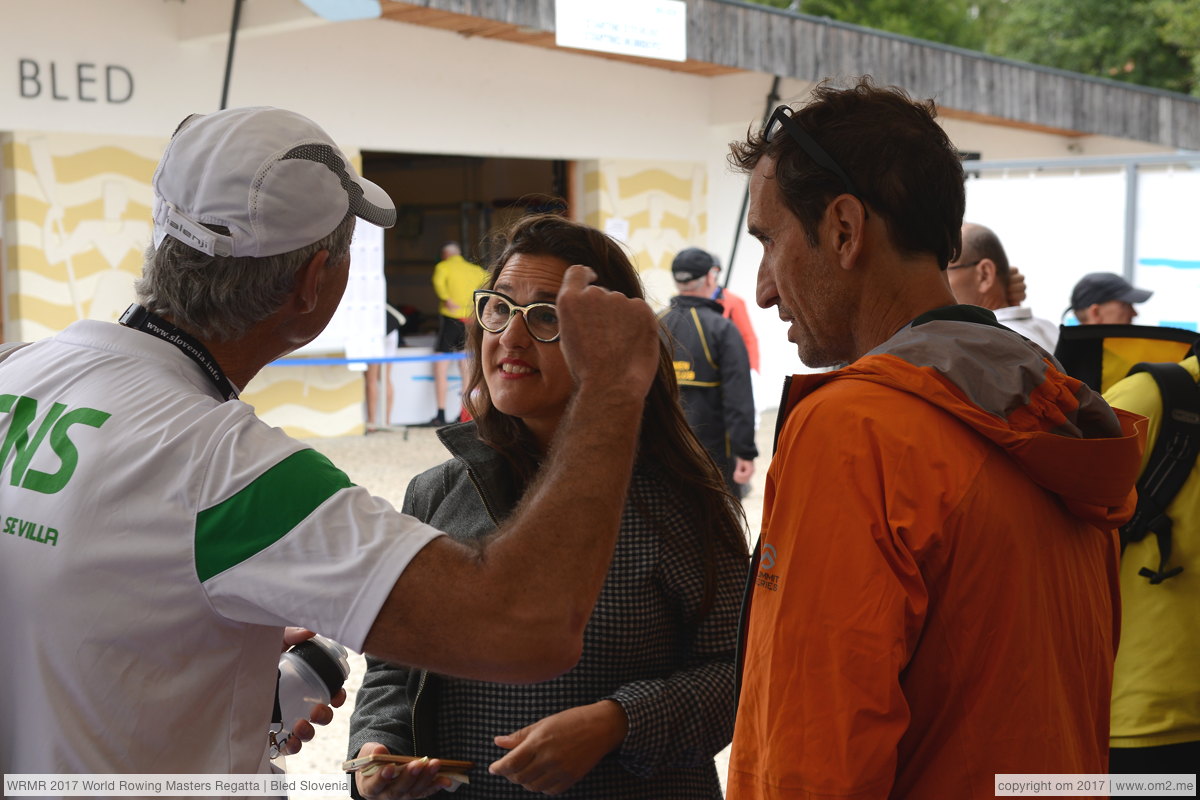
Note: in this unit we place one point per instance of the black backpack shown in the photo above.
(1101, 355)
(1170, 463)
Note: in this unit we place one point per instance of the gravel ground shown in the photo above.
(384, 463)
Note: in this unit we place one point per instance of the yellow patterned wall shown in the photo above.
(656, 208)
(309, 401)
(77, 218)
(77, 213)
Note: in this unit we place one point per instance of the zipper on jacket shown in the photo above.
(412, 710)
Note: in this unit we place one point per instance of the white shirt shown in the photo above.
(155, 543)
(1041, 332)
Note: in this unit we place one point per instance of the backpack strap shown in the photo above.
(1170, 463)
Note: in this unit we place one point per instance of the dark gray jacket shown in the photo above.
(675, 683)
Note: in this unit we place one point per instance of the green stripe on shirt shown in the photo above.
(263, 512)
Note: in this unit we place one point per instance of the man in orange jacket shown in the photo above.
(934, 597)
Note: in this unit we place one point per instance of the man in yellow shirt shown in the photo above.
(1156, 685)
(455, 280)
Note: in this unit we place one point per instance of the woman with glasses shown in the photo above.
(651, 700)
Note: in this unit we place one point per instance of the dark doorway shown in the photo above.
(442, 198)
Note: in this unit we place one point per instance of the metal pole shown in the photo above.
(772, 99)
(1131, 201)
(237, 15)
(382, 418)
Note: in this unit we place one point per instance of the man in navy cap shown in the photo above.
(712, 369)
(1105, 298)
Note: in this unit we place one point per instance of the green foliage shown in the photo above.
(1108, 38)
(1148, 42)
(1180, 26)
(947, 21)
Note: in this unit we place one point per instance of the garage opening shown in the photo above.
(444, 198)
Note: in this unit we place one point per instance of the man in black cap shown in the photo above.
(1105, 298)
(698, 262)
(712, 369)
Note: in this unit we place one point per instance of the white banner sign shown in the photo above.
(647, 28)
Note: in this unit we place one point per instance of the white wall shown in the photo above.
(1059, 227)
(373, 84)
(1056, 228)
(1167, 248)
(171, 79)
(384, 85)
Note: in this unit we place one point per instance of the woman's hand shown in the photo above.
(552, 754)
(418, 778)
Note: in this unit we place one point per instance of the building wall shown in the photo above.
(656, 208)
(77, 221)
(650, 144)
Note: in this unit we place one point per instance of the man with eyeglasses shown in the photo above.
(981, 278)
(712, 368)
(933, 598)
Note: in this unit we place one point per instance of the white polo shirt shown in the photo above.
(153, 541)
(1040, 331)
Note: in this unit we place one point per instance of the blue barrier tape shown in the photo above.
(334, 362)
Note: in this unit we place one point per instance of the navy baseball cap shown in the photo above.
(692, 263)
(1104, 287)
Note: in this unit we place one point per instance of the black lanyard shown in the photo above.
(140, 319)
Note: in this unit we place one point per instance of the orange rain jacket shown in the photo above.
(935, 598)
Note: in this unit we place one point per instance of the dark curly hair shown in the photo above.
(900, 160)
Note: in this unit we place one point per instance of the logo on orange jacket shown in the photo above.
(766, 562)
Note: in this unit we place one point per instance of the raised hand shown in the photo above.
(610, 341)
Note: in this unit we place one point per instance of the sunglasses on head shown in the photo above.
(783, 119)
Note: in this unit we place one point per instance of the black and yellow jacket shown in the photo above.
(713, 372)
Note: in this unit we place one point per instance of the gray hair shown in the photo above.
(220, 298)
(693, 285)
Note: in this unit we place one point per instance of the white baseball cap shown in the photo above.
(272, 177)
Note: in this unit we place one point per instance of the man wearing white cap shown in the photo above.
(158, 536)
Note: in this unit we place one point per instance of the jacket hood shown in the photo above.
(1059, 432)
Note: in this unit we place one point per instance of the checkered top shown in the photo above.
(675, 685)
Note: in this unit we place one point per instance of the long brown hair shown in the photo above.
(665, 441)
